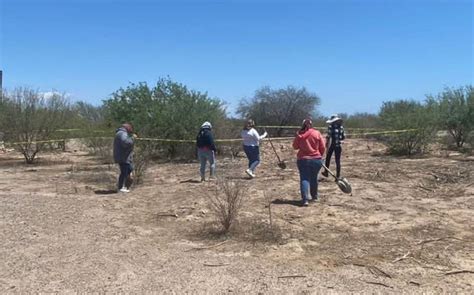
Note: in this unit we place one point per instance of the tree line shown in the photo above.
(171, 110)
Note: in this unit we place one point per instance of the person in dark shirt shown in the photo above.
(123, 154)
(206, 150)
(334, 139)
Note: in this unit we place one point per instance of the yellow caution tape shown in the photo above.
(35, 142)
(166, 140)
(88, 130)
(66, 130)
(315, 127)
(51, 140)
(381, 132)
(269, 126)
(230, 140)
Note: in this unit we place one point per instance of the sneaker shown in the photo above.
(250, 173)
(314, 199)
(124, 190)
(325, 173)
(203, 179)
(305, 203)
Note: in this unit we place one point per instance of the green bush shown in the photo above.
(455, 112)
(169, 110)
(416, 119)
(363, 121)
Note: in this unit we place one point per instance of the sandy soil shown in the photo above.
(408, 227)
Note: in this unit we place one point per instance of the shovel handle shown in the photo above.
(330, 172)
(274, 150)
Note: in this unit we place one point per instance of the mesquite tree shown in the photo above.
(416, 121)
(455, 110)
(168, 110)
(29, 118)
(280, 107)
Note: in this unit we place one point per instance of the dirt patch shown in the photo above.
(408, 227)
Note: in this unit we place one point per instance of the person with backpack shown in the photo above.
(334, 139)
(251, 140)
(206, 150)
(123, 154)
(310, 145)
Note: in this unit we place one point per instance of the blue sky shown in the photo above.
(353, 54)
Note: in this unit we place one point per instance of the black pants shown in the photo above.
(125, 170)
(338, 151)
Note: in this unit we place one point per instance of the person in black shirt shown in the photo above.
(334, 139)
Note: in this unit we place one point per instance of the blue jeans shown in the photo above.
(204, 156)
(253, 155)
(309, 169)
(125, 170)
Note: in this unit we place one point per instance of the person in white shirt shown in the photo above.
(251, 140)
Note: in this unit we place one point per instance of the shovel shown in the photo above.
(342, 183)
(281, 163)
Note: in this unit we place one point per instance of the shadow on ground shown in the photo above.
(105, 191)
(287, 202)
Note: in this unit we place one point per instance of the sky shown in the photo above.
(354, 54)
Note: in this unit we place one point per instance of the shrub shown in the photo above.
(455, 110)
(100, 147)
(417, 121)
(169, 110)
(281, 107)
(30, 118)
(362, 120)
(226, 202)
(228, 129)
(142, 156)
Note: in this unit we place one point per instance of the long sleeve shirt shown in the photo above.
(123, 146)
(205, 140)
(251, 137)
(335, 134)
(310, 144)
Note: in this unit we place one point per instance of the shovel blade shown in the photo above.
(344, 185)
(282, 165)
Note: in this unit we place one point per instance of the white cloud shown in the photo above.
(50, 94)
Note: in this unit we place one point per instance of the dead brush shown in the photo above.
(141, 160)
(226, 202)
(377, 176)
(451, 176)
(271, 232)
(101, 147)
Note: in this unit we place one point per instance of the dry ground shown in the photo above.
(408, 227)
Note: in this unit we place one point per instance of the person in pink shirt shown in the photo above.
(311, 146)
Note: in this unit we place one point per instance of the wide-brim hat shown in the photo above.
(333, 119)
(206, 125)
